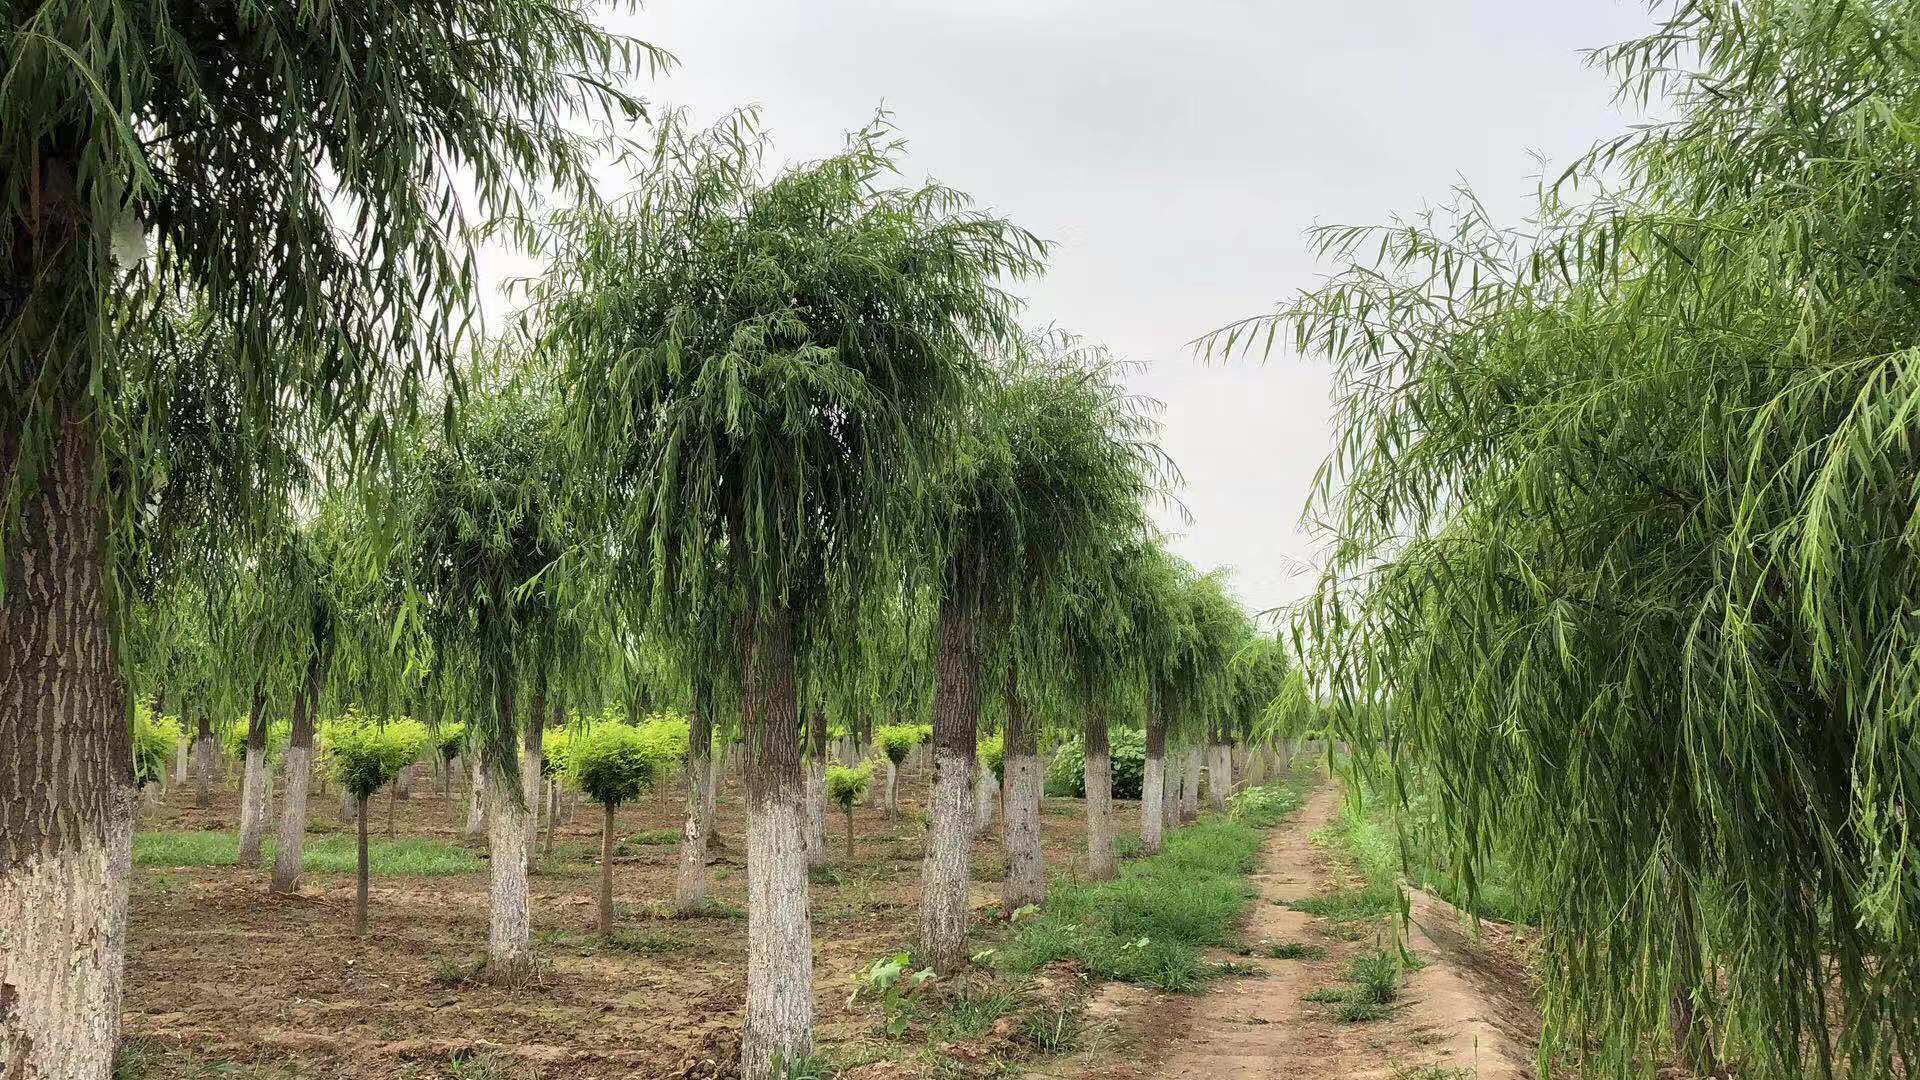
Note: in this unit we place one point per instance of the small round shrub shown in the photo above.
(993, 754)
(367, 755)
(611, 763)
(847, 787)
(233, 740)
(1067, 774)
(898, 740)
(450, 740)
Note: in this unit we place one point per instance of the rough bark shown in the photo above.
(1025, 781)
(532, 764)
(476, 797)
(606, 871)
(1101, 864)
(182, 761)
(203, 752)
(691, 892)
(67, 796)
(1219, 775)
(893, 777)
(779, 1015)
(986, 798)
(509, 929)
(256, 793)
(299, 764)
(1153, 786)
(1191, 768)
(1174, 763)
(945, 876)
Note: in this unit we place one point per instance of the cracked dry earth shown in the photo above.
(1466, 1013)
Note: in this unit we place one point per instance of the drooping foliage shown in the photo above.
(1626, 543)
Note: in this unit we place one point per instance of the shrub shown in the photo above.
(1067, 773)
(233, 739)
(367, 755)
(993, 754)
(610, 763)
(896, 741)
(155, 737)
(450, 740)
(847, 787)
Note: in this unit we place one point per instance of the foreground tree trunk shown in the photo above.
(1153, 785)
(1025, 782)
(299, 762)
(945, 876)
(606, 871)
(256, 784)
(66, 779)
(509, 926)
(691, 892)
(1101, 865)
(817, 790)
(779, 1021)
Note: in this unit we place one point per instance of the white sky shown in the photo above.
(1177, 151)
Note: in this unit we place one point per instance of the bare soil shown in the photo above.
(1467, 1012)
(225, 979)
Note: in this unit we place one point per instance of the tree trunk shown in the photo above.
(1025, 782)
(256, 792)
(1174, 763)
(849, 833)
(893, 775)
(182, 756)
(532, 764)
(1101, 865)
(66, 780)
(691, 892)
(509, 929)
(1153, 785)
(945, 876)
(779, 1016)
(1219, 774)
(360, 881)
(476, 796)
(203, 751)
(1190, 769)
(606, 871)
(986, 798)
(299, 765)
(817, 790)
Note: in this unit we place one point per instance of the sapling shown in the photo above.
(895, 741)
(367, 756)
(611, 764)
(846, 787)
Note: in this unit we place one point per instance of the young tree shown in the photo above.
(895, 742)
(765, 366)
(611, 765)
(846, 788)
(366, 756)
(295, 185)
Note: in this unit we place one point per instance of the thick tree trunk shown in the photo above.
(1101, 865)
(779, 1018)
(691, 891)
(1191, 767)
(360, 878)
(509, 927)
(945, 877)
(606, 871)
(66, 779)
(817, 790)
(203, 752)
(1219, 775)
(299, 764)
(256, 784)
(1025, 782)
(1153, 786)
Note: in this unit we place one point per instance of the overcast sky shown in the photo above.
(1178, 151)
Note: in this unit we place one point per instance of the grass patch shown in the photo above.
(1149, 925)
(333, 854)
(653, 838)
(1350, 905)
(1297, 950)
(1361, 1012)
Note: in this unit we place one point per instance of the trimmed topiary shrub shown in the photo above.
(846, 787)
(366, 756)
(1067, 774)
(613, 764)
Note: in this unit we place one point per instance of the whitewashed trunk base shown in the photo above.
(1101, 865)
(817, 812)
(1026, 864)
(691, 891)
(256, 805)
(293, 821)
(945, 877)
(509, 928)
(986, 800)
(779, 1020)
(1153, 780)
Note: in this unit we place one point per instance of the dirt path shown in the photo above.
(1464, 1014)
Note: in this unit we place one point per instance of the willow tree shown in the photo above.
(765, 364)
(475, 547)
(1627, 551)
(293, 168)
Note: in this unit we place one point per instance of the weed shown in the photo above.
(1327, 995)
(1348, 905)
(1052, 1030)
(457, 971)
(1375, 977)
(1297, 950)
(1431, 1072)
(1360, 1012)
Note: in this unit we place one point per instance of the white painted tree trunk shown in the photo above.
(256, 805)
(532, 787)
(203, 778)
(986, 800)
(779, 937)
(1101, 864)
(293, 820)
(1153, 780)
(702, 775)
(1026, 864)
(1219, 775)
(476, 798)
(1190, 769)
(893, 776)
(180, 759)
(945, 876)
(509, 926)
(817, 811)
